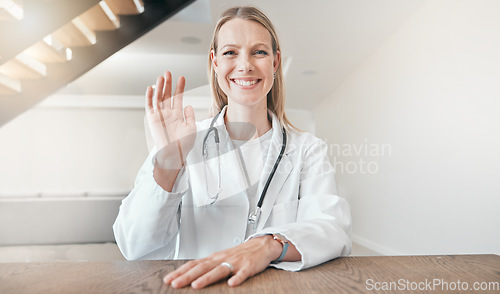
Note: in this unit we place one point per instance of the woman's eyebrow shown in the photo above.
(229, 45)
(261, 44)
(253, 46)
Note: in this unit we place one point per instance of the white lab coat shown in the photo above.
(301, 203)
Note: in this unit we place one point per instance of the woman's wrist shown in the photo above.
(169, 158)
(165, 178)
(273, 247)
(284, 245)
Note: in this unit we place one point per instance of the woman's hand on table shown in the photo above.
(247, 260)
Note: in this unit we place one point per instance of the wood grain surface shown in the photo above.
(342, 275)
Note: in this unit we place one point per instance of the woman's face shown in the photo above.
(245, 62)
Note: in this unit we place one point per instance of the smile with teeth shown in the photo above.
(245, 83)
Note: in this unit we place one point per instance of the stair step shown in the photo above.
(75, 34)
(49, 51)
(126, 7)
(100, 18)
(9, 86)
(11, 10)
(23, 67)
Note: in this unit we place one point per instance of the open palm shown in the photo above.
(172, 127)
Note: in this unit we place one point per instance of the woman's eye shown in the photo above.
(229, 53)
(261, 52)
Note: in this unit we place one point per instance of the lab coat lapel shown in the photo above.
(233, 181)
(282, 172)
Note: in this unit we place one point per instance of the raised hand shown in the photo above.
(172, 127)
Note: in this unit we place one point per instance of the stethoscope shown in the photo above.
(254, 217)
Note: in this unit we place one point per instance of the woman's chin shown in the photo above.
(247, 100)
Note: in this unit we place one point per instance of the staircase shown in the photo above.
(46, 44)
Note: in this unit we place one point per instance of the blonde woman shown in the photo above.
(240, 191)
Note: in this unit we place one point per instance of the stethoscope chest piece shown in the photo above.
(253, 218)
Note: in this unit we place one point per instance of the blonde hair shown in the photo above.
(276, 96)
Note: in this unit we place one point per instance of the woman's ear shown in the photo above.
(213, 57)
(276, 61)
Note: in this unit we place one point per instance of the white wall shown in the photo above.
(64, 172)
(423, 114)
(71, 150)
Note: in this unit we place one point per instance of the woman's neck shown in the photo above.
(245, 123)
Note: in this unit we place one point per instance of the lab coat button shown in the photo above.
(236, 241)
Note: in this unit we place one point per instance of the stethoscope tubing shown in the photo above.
(275, 167)
(271, 175)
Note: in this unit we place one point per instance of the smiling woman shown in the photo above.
(245, 62)
(275, 201)
(267, 48)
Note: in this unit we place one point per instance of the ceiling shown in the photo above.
(322, 43)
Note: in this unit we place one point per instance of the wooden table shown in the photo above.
(343, 275)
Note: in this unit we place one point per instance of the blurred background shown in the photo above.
(405, 93)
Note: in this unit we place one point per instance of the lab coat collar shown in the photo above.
(220, 119)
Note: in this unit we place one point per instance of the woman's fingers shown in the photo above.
(216, 274)
(189, 115)
(179, 90)
(192, 274)
(167, 90)
(149, 99)
(239, 278)
(162, 96)
(180, 271)
(201, 275)
(157, 97)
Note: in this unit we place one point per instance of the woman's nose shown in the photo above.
(245, 64)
